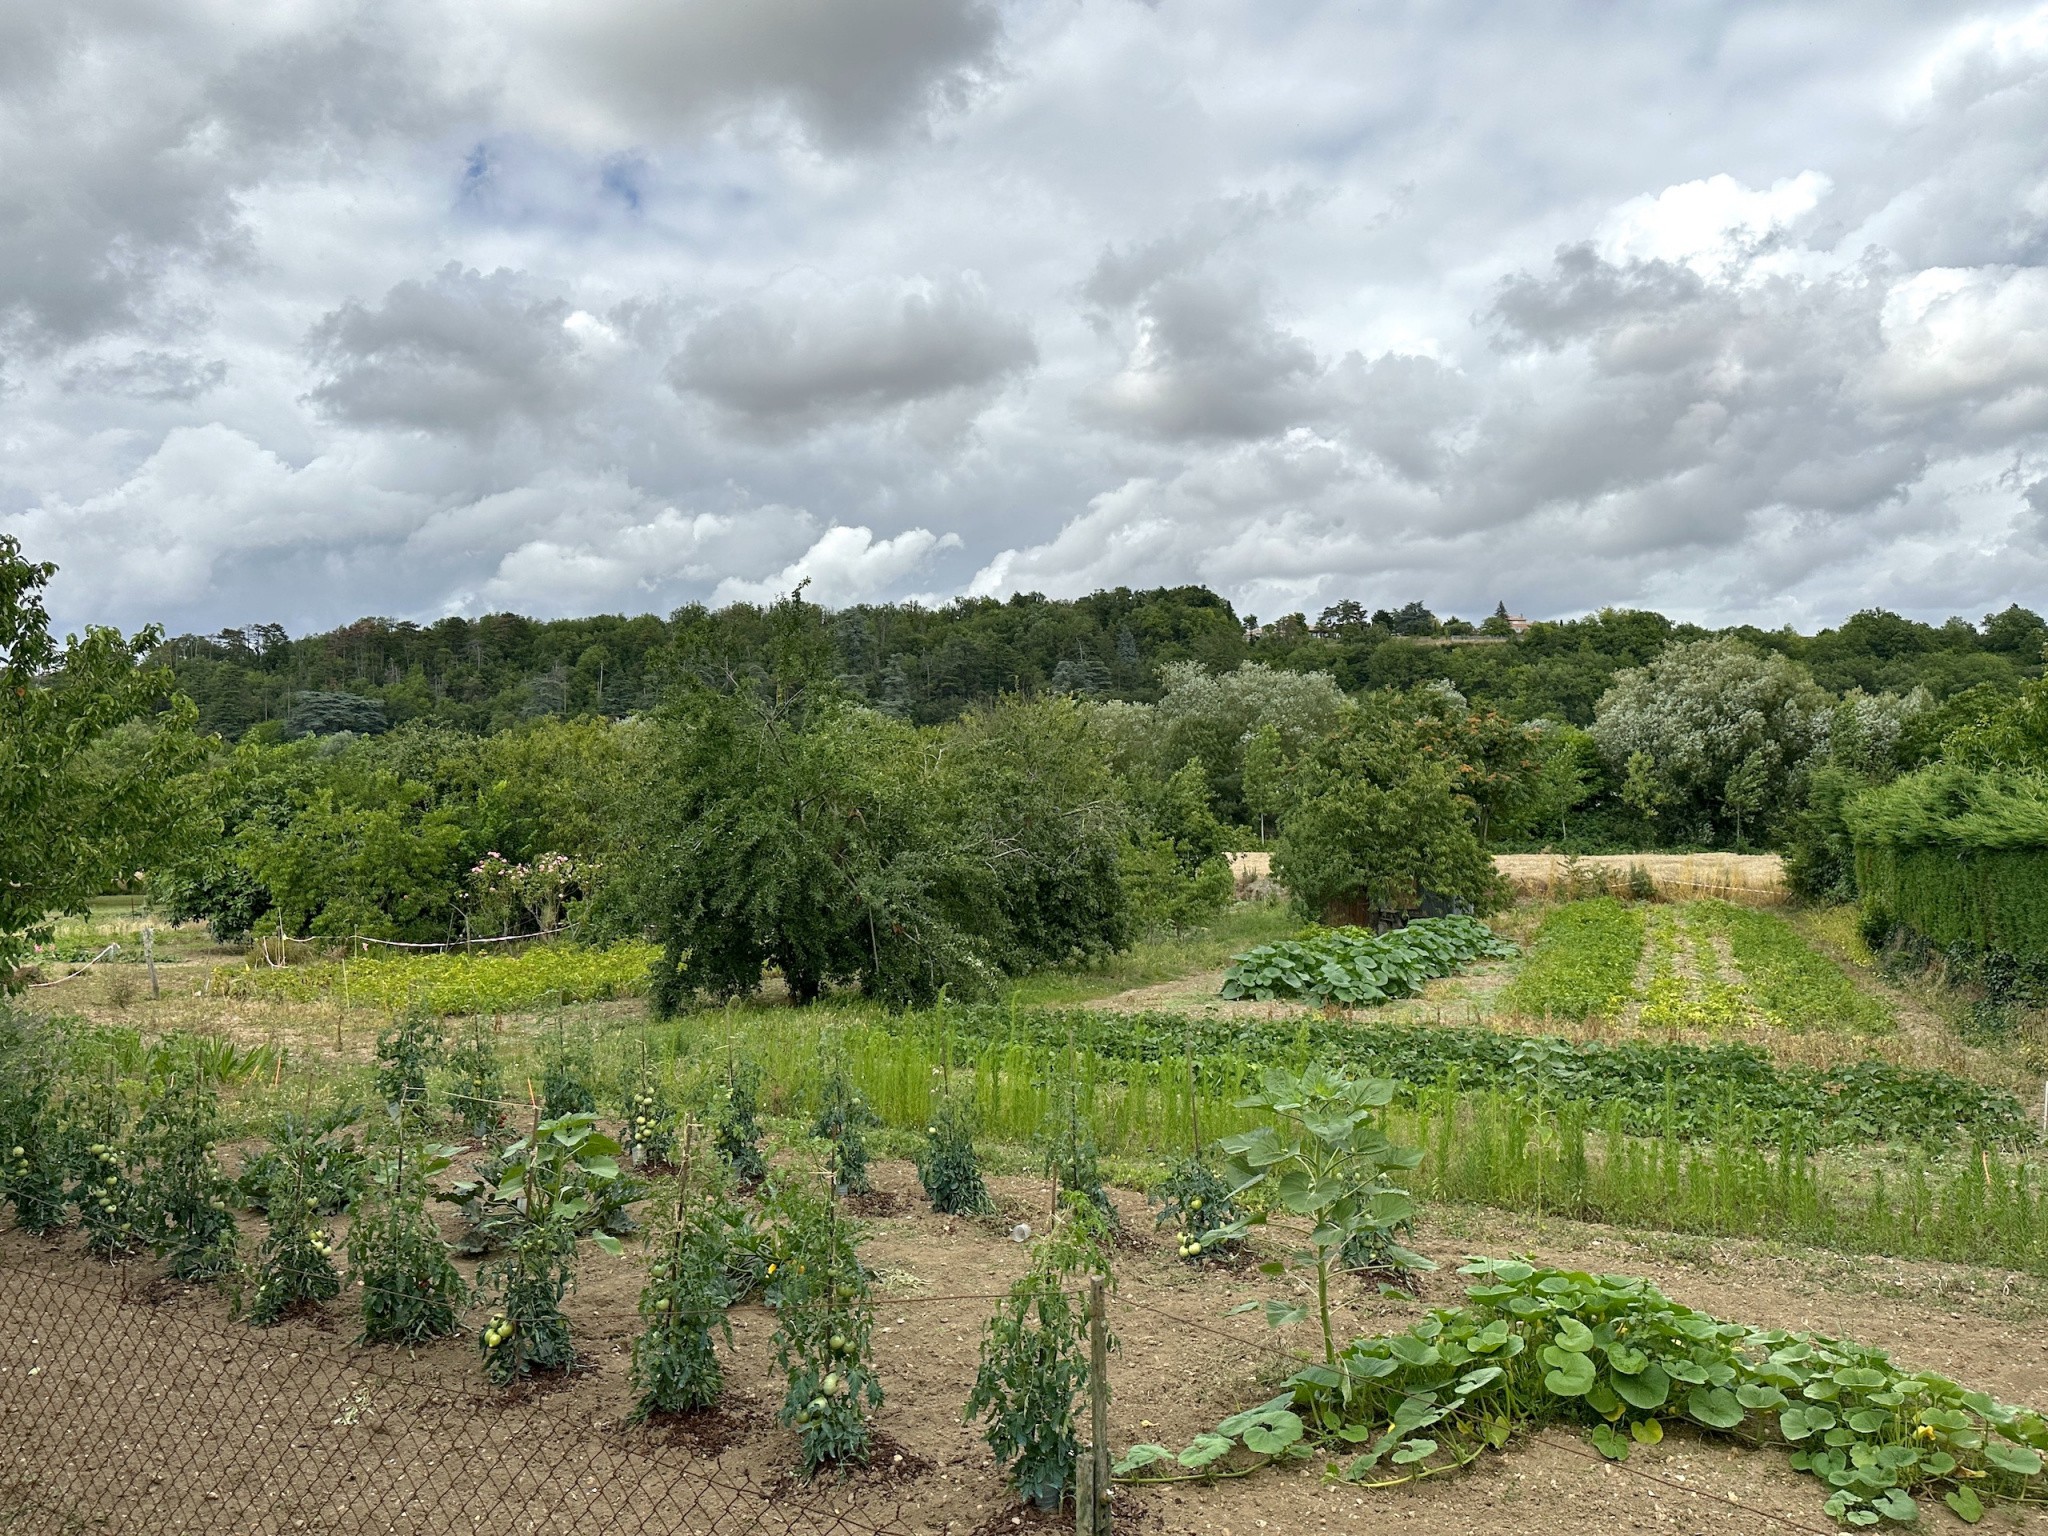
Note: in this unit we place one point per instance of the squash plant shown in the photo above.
(1326, 1161)
(559, 1171)
(1535, 1346)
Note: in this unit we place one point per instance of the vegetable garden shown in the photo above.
(735, 1226)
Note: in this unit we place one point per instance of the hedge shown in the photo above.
(1958, 856)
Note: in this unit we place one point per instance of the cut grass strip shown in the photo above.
(1582, 964)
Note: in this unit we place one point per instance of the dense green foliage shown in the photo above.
(1357, 967)
(92, 744)
(1373, 825)
(1534, 1346)
(785, 826)
(1582, 963)
(1960, 856)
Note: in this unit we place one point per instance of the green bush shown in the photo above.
(1959, 856)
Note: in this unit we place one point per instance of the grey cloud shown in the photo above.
(148, 376)
(1207, 361)
(795, 364)
(461, 352)
(852, 73)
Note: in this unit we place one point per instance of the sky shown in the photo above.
(311, 309)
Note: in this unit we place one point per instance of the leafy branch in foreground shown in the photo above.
(1535, 1346)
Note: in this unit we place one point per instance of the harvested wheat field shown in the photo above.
(1757, 878)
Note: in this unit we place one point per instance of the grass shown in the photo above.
(1582, 964)
(1244, 925)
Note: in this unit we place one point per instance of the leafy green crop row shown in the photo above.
(451, 982)
(1583, 962)
(1793, 983)
(1662, 1089)
(1357, 967)
(1538, 1346)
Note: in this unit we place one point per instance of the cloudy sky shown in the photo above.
(311, 309)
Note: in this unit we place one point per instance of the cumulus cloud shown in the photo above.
(350, 306)
(461, 352)
(846, 565)
(789, 363)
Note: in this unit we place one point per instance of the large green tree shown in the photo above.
(1712, 739)
(84, 804)
(1374, 826)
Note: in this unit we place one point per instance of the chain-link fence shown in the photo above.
(129, 1406)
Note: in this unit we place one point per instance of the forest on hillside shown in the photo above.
(927, 665)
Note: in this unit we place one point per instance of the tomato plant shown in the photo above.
(1195, 1199)
(478, 1085)
(102, 1173)
(558, 1171)
(295, 1267)
(649, 1133)
(405, 1053)
(947, 1166)
(842, 1117)
(183, 1195)
(682, 1306)
(1035, 1359)
(411, 1291)
(824, 1326)
(736, 1130)
(565, 1074)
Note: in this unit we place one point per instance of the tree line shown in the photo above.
(759, 808)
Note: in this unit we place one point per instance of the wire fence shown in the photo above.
(124, 1407)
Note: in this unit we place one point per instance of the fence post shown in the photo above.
(1098, 1404)
(149, 958)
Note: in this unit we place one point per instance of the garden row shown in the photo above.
(1587, 955)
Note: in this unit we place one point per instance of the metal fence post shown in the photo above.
(149, 958)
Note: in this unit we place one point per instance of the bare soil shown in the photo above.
(152, 1411)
